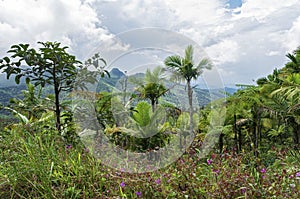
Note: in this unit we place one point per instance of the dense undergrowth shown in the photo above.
(37, 163)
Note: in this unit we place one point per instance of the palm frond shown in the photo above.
(136, 80)
(156, 76)
(292, 58)
(205, 63)
(189, 51)
(173, 62)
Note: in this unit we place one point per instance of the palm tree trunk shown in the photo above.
(221, 143)
(259, 127)
(235, 133)
(296, 132)
(240, 139)
(190, 95)
(255, 139)
(153, 103)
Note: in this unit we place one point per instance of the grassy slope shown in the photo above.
(37, 163)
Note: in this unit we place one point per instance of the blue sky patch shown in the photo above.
(235, 3)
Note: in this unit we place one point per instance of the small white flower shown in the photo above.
(292, 185)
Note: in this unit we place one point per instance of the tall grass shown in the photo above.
(38, 163)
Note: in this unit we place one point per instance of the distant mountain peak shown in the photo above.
(115, 72)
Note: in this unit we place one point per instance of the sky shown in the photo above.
(245, 39)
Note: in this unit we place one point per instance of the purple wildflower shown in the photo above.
(122, 184)
(209, 161)
(157, 181)
(216, 171)
(138, 193)
(243, 190)
(298, 174)
(69, 146)
(263, 170)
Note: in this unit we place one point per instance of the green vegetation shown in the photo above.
(50, 65)
(256, 156)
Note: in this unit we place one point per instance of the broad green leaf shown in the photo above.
(22, 118)
(142, 113)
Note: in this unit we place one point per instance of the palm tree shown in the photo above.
(255, 99)
(294, 65)
(152, 86)
(235, 115)
(185, 69)
(290, 92)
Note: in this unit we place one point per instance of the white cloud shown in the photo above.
(71, 22)
(226, 51)
(273, 53)
(197, 12)
(261, 10)
(245, 43)
(292, 36)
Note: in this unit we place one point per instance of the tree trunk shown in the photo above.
(57, 108)
(221, 143)
(153, 103)
(255, 140)
(235, 133)
(57, 102)
(125, 88)
(190, 96)
(259, 127)
(240, 139)
(296, 132)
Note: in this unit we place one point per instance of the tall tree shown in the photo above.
(252, 95)
(186, 70)
(290, 92)
(281, 89)
(50, 64)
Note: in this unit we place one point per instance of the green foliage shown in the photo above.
(103, 109)
(151, 86)
(143, 130)
(32, 103)
(41, 165)
(52, 65)
(276, 132)
(142, 113)
(23, 119)
(184, 67)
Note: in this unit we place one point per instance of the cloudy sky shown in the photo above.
(246, 39)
